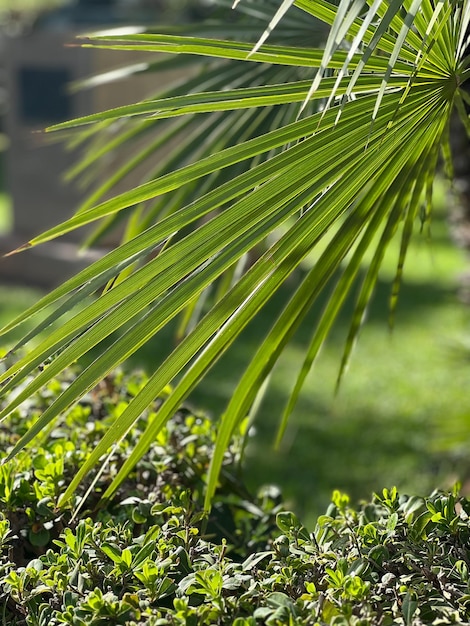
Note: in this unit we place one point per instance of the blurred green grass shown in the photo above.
(29, 5)
(402, 415)
(6, 217)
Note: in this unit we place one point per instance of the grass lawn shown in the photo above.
(29, 5)
(402, 415)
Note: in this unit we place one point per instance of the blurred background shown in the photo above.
(402, 414)
(40, 62)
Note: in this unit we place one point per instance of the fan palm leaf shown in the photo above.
(290, 160)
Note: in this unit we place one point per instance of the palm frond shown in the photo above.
(253, 175)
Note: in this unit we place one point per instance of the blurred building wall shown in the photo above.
(40, 65)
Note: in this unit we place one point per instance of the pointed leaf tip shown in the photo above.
(22, 248)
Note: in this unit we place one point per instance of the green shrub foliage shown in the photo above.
(150, 556)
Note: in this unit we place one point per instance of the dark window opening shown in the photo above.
(43, 95)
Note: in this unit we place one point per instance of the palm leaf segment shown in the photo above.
(351, 169)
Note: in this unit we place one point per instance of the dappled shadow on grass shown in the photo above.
(358, 451)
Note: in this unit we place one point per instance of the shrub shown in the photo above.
(151, 556)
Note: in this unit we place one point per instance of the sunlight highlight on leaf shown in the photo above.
(285, 6)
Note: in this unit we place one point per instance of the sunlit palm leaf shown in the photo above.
(282, 10)
(347, 181)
